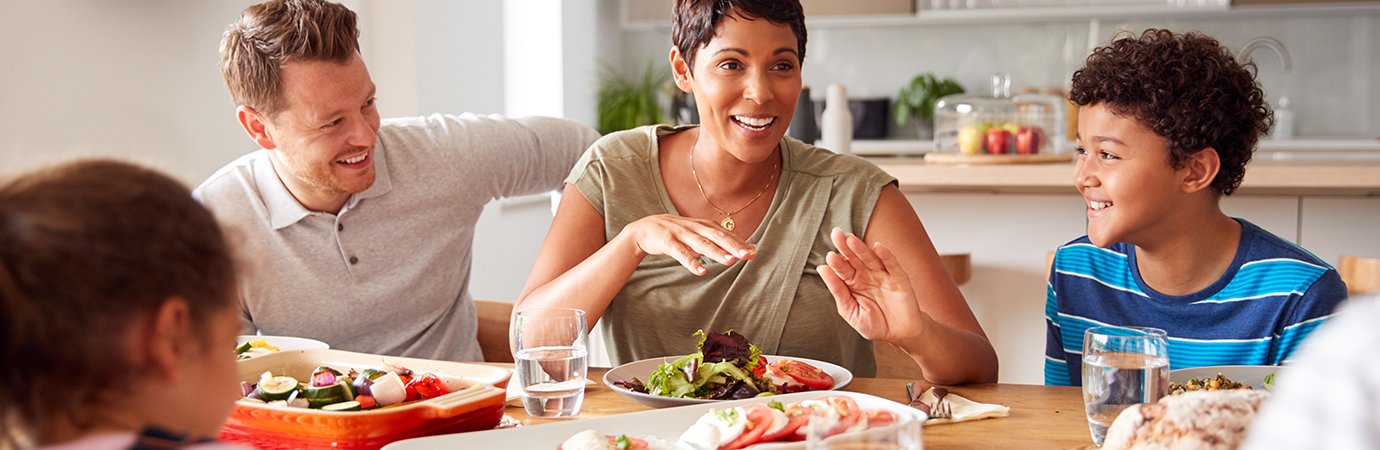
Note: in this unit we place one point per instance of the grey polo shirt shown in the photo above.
(389, 274)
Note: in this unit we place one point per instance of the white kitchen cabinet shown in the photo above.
(1276, 214)
(1335, 226)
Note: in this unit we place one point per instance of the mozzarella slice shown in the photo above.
(587, 440)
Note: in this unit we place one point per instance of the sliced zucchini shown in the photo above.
(318, 396)
(349, 388)
(342, 406)
(276, 388)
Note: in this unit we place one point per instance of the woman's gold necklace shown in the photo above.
(728, 223)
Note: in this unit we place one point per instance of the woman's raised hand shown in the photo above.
(873, 293)
(686, 239)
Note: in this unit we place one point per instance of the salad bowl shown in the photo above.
(643, 369)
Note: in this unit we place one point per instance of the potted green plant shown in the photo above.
(918, 98)
(625, 103)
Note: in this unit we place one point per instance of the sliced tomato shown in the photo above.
(879, 417)
(761, 367)
(846, 408)
(796, 416)
(427, 386)
(758, 420)
(806, 374)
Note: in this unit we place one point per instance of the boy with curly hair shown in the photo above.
(1166, 126)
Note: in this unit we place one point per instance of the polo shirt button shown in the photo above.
(339, 227)
(354, 260)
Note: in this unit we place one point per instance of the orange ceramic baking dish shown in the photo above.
(476, 403)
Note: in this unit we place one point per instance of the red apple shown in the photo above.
(1028, 141)
(998, 141)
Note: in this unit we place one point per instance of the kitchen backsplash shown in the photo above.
(1332, 86)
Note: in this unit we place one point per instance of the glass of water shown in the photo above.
(1122, 366)
(552, 358)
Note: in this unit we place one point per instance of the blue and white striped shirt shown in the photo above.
(1272, 296)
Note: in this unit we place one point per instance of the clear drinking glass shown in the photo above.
(552, 359)
(824, 431)
(1122, 366)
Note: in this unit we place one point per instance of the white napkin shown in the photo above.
(963, 409)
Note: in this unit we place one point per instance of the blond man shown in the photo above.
(363, 227)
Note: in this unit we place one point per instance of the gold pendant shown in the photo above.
(727, 223)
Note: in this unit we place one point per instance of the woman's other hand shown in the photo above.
(686, 239)
(873, 293)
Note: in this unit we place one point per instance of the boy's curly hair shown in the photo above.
(1188, 88)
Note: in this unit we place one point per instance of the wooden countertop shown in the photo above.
(1041, 416)
(1331, 178)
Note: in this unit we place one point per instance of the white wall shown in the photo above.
(137, 79)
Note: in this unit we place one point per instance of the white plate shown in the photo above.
(284, 343)
(665, 424)
(1253, 376)
(642, 370)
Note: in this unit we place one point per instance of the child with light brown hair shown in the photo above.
(117, 311)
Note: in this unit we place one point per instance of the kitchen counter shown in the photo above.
(1263, 177)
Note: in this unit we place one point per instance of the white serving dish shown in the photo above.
(665, 424)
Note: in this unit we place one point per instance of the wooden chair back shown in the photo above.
(892, 362)
(1362, 275)
(959, 265)
(494, 317)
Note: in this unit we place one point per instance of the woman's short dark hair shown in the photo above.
(695, 22)
(86, 250)
(1188, 88)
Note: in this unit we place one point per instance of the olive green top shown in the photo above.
(778, 301)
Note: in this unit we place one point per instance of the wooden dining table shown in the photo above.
(1041, 416)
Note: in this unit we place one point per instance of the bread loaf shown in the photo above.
(1192, 420)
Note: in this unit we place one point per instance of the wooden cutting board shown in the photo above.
(959, 158)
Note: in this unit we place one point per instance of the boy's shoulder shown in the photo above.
(1265, 245)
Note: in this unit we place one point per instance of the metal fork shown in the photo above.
(941, 410)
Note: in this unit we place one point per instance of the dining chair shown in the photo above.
(1361, 274)
(494, 317)
(892, 362)
(959, 265)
